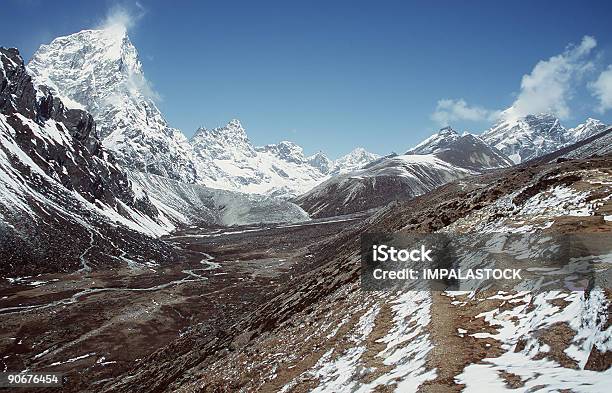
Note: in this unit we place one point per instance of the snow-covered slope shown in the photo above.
(466, 151)
(227, 159)
(587, 129)
(527, 137)
(186, 203)
(64, 202)
(390, 178)
(99, 71)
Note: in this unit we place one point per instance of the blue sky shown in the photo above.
(335, 75)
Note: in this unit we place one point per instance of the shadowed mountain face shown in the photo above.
(62, 194)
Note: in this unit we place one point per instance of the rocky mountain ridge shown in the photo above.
(58, 182)
(532, 136)
(100, 71)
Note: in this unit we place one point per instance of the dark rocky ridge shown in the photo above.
(64, 144)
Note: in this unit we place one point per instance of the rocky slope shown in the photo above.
(64, 202)
(354, 340)
(389, 178)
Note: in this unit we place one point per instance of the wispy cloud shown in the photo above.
(449, 110)
(548, 88)
(121, 17)
(602, 90)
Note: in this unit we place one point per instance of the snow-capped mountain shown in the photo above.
(444, 157)
(227, 159)
(64, 201)
(533, 136)
(587, 129)
(356, 159)
(527, 137)
(390, 178)
(57, 178)
(465, 151)
(99, 71)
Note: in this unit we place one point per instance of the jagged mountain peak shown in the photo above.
(100, 71)
(527, 137)
(448, 130)
(357, 158)
(231, 131)
(587, 129)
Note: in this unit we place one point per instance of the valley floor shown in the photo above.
(95, 326)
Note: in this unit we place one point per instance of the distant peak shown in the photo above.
(590, 120)
(448, 130)
(232, 131)
(234, 123)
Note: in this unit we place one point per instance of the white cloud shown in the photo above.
(602, 90)
(120, 19)
(548, 88)
(449, 110)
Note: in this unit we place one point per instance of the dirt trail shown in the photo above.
(447, 355)
(453, 350)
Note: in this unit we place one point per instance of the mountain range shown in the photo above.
(58, 181)
(83, 115)
(99, 71)
(158, 263)
(534, 135)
